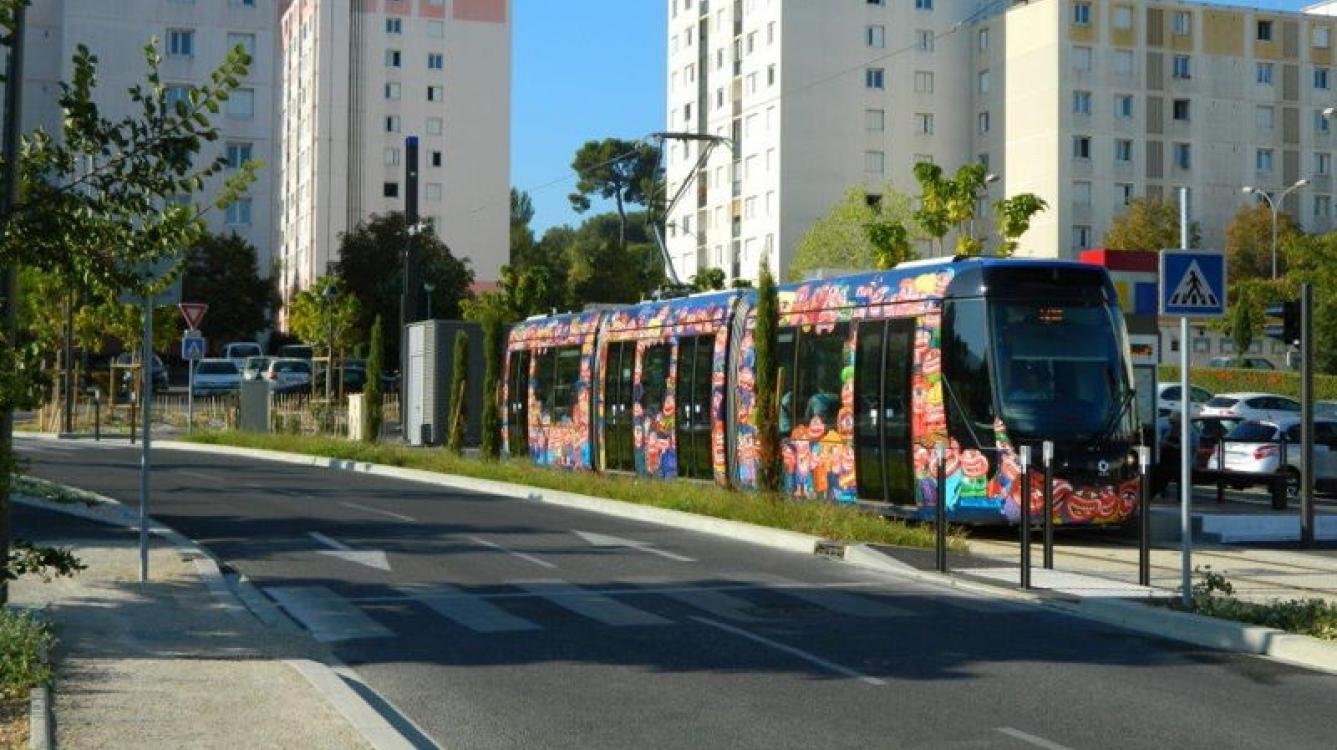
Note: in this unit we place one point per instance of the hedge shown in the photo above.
(1232, 380)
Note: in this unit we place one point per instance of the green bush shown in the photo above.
(1215, 597)
(1231, 380)
(24, 639)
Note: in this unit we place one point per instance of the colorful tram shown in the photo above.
(876, 369)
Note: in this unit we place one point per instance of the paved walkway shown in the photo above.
(165, 664)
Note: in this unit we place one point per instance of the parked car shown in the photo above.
(288, 375)
(125, 359)
(1251, 406)
(216, 376)
(239, 351)
(1248, 363)
(1269, 446)
(1169, 394)
(253, 367)
(296, 351)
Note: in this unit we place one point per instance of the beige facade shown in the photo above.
(1088, 103)
(193, 38)
(362, 76)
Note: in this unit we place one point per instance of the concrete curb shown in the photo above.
(385, 728)
(40, 736)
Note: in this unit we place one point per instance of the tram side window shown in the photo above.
(565, 386)
(821, 357)
(784, 355)
(545, 368)
(965, 353)
(654, 378)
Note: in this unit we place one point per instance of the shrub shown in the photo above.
(24, 639)
(371, 392)
(459, 411)
(1231, 380)
(1215, 597)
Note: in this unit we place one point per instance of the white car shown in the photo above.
(215, 376)
(1168, 398)
(1268, 446)
(1267, 406)
(287, 375)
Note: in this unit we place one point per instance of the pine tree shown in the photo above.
(491, 391)
(371, 392)
(459, 411)
(764, 339)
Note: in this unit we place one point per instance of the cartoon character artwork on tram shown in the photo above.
(562, 442)
(719, 455)
(747, 450)
(653, 423)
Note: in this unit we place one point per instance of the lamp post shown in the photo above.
(330, 294)
(989, 179)
(1274, 204)
(429, 287)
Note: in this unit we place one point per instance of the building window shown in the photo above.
(392, 123)
(1125, 192)
(875, 78)
(1263, 73)
(1081, 147)
(436, 93)
(433, 191)
(1262, 160)
(1081, 193)
(924, 40)
(1322, 163)
(983, 123)
(1182, 154)
(1123, 105)
(393, 58)
(1081, 58)
(1180, 110)
(770, 74)
(1321, 78)
(1319, 36)
(435, 125)
(1123, 17)
(392, 90)
(1123, 150)
(436, 158)
(983, 81)
(1320, 122)
(1081, 237)
(876, 36)
(982, 39)
(1123, 61)
(1264, 118)
(1182, 23)
(238, 154)
(394, 26)
(181, 42)
(436, 29)
(390, 189)
(245, 41)
(1081, 14)
(238, 213)
(1264, 31)
(983, 159)
(391, 156)
(241, 103)
(924, 123)
(923, 82)
(874, 120)
(874, 162)
(436, 61)
(178, 93)
(1182, 68)
(1081, 102)
(923, 4)
(1322, 206)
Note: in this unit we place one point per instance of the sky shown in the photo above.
(581, 70)
(590, 69)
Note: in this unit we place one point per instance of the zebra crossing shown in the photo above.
(331, 616)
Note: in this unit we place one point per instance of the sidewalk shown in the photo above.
(166, 664)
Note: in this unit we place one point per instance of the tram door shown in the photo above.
(619, 452)
(883, 451)
(517, 404)
(692, 406)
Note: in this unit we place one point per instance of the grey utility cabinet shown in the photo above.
(427, 398)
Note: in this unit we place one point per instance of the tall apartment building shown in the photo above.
(359, 77)
(1088, 103)
(193, 37)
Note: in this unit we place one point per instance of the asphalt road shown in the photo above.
(497, 623)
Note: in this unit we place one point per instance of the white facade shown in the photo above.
(361, 76)
(1087, 103)
(193, 38)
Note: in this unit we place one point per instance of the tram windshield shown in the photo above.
(1060, 369)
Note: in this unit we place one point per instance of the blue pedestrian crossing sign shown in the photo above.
(1193, 283)
(192, 348)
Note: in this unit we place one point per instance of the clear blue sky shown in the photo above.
(586, 69)
(581, 70)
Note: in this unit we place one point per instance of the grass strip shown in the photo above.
(1215, 597)
(827, 520)
(24, 638)
(50, 491)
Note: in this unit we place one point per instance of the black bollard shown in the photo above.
(97, 415)
(1048, 452)
(1144, 517)
(1025, 516)
(941, 509)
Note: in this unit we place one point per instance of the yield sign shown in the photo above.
(193, 312)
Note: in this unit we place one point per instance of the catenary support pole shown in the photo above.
(1025, 521)
(1185, 433)
(146, 413)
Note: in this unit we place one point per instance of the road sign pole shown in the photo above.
(1185, 469)
(146, 376)
(190, 396)
(1307, 414)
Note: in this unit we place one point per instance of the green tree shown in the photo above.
(1148, 224)
(371, 267)
(948, 203)
(459, 408)
(326, 312)
(492, 354)
(523, 244)
(1313, 258)
(600, 268)
(707, 279)
(1013, 219)
(624, 171)
(765, 340)
(857, 233)
(372, 392)
(1249, 242)
(224, 273)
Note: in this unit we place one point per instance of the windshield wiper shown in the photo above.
(967, 419)
(1114, 418)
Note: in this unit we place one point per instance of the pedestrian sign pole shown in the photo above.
(192, 350)
(1192, 285)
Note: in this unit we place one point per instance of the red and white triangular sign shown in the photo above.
(193, 312)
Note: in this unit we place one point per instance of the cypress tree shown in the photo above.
(371, 392)
(491, 391)
(458, 410)
(767, 378)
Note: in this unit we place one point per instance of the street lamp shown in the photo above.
(1274, 204)
(429, 287)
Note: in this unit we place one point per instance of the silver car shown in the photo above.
(215, 376)
(1271, 446)
(288, 374)
(253, 367)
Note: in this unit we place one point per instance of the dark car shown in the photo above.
(1207, 434)
(295, 351)
(354, 377)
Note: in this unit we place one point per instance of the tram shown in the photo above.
(982, 354)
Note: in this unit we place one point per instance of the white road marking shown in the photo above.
(709, 600)
(527, 558)
(389, 513)
(836, 601)
(327, 615)
(590, 604)
(603, 540)
(1031, 739)
(636, 590)
(472, 612)
(804, 655)
(372, 558)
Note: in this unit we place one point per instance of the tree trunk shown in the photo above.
(621, 222)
